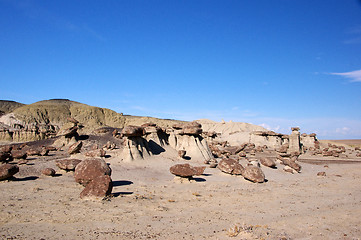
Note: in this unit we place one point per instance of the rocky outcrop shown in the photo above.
(266, 138)
(294, 141)
(89, 169)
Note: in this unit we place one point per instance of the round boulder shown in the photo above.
(7, 171)
(89, 169)
(98, 188)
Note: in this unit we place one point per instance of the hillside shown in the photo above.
(8, 106)
(56, 112)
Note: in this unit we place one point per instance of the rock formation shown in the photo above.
(7, 171)
(187, 137)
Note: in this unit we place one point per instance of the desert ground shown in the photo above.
(146, 203)
(313, 191)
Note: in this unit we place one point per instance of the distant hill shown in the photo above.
(56, 112)
(8, 106)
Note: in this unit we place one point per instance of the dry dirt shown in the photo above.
(147, 204)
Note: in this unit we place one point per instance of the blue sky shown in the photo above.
(276, 63)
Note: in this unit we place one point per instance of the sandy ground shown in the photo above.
(148, 204)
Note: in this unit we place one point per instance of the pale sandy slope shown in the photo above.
(234, 132)
(149, 205)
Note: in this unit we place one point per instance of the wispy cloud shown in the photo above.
(354, 35)
(355, 76)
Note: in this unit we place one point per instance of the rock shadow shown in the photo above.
(117, 194)
(155, 148)
(122, 183)
(198, 179)
(30, 178)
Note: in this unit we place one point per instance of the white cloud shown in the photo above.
(355, 76)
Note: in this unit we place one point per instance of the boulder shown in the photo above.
(186, 170)
(6, 149)
(19, 154)
(75, 147)
(89, 169)
(253, 174)
(268, 162)
(67, 164)
(7, 171)
(321, 174)
(291, 164)
(132, 131)
(97, 189)
(96, 153)
(48, 172)
(5, 156)
(230, 166)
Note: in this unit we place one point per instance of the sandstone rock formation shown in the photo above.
(187, 137)
(75, 148)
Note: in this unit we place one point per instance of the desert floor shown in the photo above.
(147, 203)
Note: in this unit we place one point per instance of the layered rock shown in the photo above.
(187, 137)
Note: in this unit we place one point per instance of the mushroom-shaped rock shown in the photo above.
(97, 189)
(89, 169)
(186, 170)
(230, 166)
(67, 164)
(192, 128)
(7, 171)
(48, 172)
(75, 147)
(254, 174)
(268, 162)
(133, 131)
